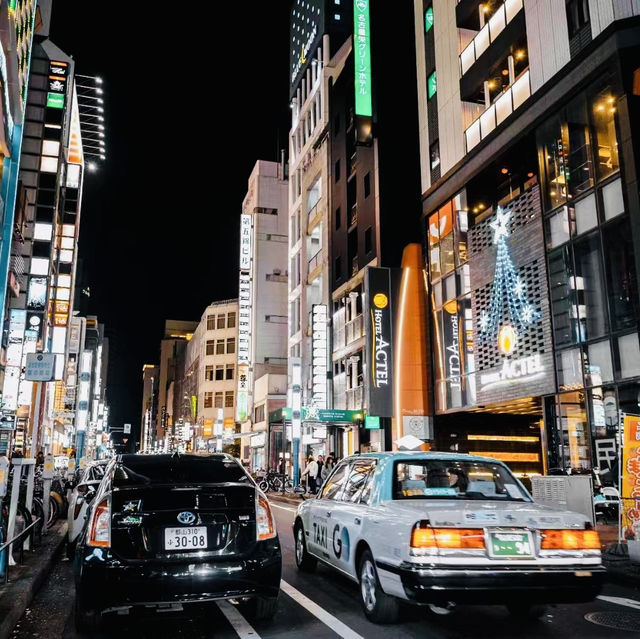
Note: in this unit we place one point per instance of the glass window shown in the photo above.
(208, 400)
(612, 199)
(450, 288)
(357, 480)
(208, 373)
(597, 366)
(579, 170)
(560, 226)
(332, 488)
(603, 113)
(553, 143)
(220, 347)
(590, 288)
(218, 399)
(229, 371)
(575, 431)
(446, 254)
(629, 354)
(231, 345)
(434, 261)
(563, 303)
(211, 322)
(437, 294)
(228, 399)
(221, 321)
(586, 214)
(453, 479)
(210, 346)
(569, 369)
(231, 320)
(219, 372)
(622, 285)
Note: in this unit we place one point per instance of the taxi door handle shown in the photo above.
(357, 521)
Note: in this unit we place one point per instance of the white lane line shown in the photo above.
(327, 618)
(621, 601)
(240, 624)
(291, 510)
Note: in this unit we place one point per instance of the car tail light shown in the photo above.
(447, 538)
(570, 540)
(100, 528)
(78, 507)
(265, 526)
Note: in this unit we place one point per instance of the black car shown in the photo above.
(174, 529)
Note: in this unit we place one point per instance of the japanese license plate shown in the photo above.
(510, 544)
(187, 538)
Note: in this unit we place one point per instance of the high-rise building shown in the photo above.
(149, 406)
(353, 203)
(176, 335)
(262, 311)
(205, 398)
(529, 137)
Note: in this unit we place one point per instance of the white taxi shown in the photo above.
(439, 529)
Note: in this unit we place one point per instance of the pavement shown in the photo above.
(25, 580)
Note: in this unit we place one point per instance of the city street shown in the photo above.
(325, 605)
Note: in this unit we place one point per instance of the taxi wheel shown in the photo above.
(261, 608)
(526, 611)
(304, 560)
(378, 606)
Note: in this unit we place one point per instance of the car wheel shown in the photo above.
(378, 606)
(86, 621)
(264, 486)
(261, 608)
(526, 611)
(304, 560)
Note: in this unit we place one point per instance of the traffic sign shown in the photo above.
(127, 428)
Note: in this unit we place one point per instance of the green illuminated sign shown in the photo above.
(311, 414)
(12, 5)
(371, 422)
(362, 57)
(55, 100)
(431, 85)
(428, 19)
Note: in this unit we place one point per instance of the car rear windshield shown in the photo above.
(452, 479)
(140, 470)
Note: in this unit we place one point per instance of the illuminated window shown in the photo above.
(68, 230)
(49, 165)
(64, 280)
(221, 321)
(67, 243)
(42, 231)
(50, 147)
(66, 256)
(63, 294)
(211, 322)
(39, 266)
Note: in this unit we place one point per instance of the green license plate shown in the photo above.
(510, 544)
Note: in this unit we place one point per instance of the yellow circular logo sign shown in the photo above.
(380, 300)
(507, 338)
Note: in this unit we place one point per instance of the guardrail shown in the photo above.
(5, 549)
(494, 27)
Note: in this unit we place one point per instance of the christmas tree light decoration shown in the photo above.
(506, 283)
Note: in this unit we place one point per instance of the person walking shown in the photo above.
(327, 468)
(311, 471)
(320, 466)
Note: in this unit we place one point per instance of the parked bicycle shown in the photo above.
(276, 482)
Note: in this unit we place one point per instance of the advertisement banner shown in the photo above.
(379, 347)
(630, 479)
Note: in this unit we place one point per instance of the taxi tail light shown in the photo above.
(78, 507)
(570, 540)
(424, 536)
(265, 525)
(100, 528)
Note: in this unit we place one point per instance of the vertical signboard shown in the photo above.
(244, 316)
(379, 342)
(362, 51)
(630, 478)
(320, 355)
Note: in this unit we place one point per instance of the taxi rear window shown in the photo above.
(453, 479)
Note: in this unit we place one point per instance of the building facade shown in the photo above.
(262, 309)
(529, 138)
(149, 406)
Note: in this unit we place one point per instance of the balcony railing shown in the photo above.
(499, 111)
(354, 329)
(498, 21)
(315, 261)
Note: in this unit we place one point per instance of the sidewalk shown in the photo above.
(620, 570)
(294, 500)
(25, 580)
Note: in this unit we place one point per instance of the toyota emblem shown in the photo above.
(186, 517)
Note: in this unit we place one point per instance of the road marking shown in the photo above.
(240, 624)
(327, 618)
(621, 601)
(291, 510)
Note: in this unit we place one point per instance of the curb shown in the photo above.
(295, 501)
(24, 590)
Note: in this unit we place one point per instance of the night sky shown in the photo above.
(192, 100)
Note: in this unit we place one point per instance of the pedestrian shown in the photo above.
(328, 467)
(311, 471)
(40, 459)
(320, 466)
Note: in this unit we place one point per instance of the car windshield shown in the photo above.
(140, 470)
(455, 479)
